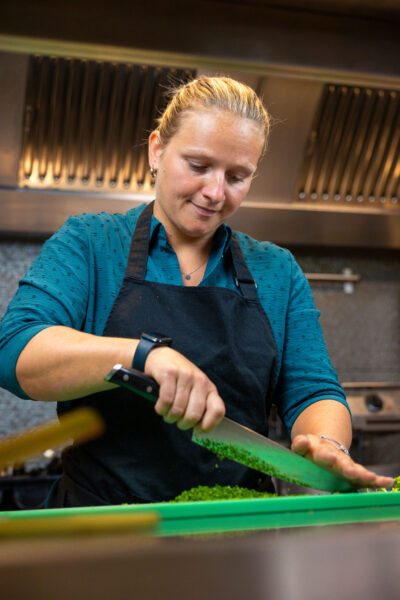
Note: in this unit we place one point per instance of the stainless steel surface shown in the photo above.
(265, 36)
(13, 69)
(290, 224)
(385, 9)
(33, 212)
(290, 52)
(373, 385)
(333, 277)
(353, 150)
(265, 455)
(328, 563)
(86, 124)
(375, 410)
(40, 213)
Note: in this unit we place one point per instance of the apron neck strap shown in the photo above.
(241, 274)
(139, 251)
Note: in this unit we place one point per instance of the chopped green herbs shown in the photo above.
(219, 492)
(243, 456)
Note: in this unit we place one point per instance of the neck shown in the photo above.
(192, 251)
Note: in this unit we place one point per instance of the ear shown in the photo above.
(155, 149)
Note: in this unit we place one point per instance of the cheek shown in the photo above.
(238, 195)
(178, 181)
(233, 203)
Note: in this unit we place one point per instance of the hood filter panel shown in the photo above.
(353, 151)
(86, 123)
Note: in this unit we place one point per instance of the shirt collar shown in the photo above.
(222, 237)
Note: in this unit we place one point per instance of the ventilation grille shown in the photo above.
(353, 153)
(86, 123)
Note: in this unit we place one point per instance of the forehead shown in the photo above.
(221, 132)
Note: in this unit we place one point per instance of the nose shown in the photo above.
(214, 189)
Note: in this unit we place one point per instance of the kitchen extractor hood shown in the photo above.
(73, 130)
(86, 123)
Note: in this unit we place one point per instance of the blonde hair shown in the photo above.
(207, 93)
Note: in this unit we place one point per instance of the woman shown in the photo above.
(226, 345)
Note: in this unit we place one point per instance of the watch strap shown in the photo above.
(148, 341)
(142, 351)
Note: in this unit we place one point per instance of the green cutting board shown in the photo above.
(246, 515)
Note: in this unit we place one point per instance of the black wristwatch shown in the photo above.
(148, 341)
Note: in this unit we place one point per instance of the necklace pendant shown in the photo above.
(187, 277)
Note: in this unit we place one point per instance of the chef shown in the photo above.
(224, 323)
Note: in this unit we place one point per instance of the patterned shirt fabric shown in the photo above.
(77, 276)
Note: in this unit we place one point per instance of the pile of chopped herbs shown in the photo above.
(219, 492)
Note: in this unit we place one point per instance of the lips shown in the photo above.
(205, 212)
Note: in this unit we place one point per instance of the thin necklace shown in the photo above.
(189, 275)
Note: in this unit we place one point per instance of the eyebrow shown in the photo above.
(199, 154)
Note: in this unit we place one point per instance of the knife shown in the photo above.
(236, 442)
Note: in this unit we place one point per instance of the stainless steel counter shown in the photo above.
(321, 563)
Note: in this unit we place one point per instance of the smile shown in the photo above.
(205, 212)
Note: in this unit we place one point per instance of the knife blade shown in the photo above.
(233, 441)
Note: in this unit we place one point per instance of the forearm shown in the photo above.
(327, 417)
(60, 363)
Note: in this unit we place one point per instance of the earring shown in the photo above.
(153, 172)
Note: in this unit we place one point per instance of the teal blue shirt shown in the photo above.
(77, 276)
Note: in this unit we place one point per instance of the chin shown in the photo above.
(198, 233)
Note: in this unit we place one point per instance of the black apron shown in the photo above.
(227, 334)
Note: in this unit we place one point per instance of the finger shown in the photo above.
(183, 390)
(344, 467)
(327, 457)
(362, 477)
(301, 445)
(215, 411)
(341, 465)
(197, 403)
(384, 482)
(166, 394)
(194, 411)
(354, 473)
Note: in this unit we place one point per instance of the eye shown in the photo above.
(197, 168)
(236, 178)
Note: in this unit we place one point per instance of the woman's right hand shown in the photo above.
(187, 397)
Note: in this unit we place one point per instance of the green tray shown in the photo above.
(244, 515)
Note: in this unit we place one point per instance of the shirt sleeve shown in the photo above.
(54, 291)
(306, 374)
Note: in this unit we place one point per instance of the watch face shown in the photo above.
(156, 338)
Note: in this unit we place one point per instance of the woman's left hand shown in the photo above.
(325, 454)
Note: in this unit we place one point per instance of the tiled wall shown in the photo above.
(362, 330)
(15, 414)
